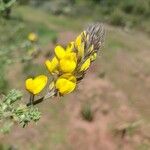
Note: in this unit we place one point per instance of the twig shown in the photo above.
(35, 102)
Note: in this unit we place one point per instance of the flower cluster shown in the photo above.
(69, 64)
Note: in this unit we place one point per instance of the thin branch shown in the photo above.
(35, 102)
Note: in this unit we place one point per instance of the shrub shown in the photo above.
(87, 113)
(128, 6)
(117, 18)
(142, 8)
(5, 8)
(3, 84)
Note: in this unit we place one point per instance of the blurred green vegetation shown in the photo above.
(14, 35)
(126, 13)
(3, 81)
(87, 112)
(5, 8)
(5, 147)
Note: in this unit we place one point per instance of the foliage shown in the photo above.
(87, 113)
(130, 13)
(58, 7)
(6, 147)
(11, 111)
(15, 45)
(4, 55)
(5, 7)
(3, 81)
(117, 18)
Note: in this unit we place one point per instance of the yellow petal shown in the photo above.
(93, 57)
(52, 65)
(91, 48)
(40, 82)
(71, 56)
(48, 65)
(69, 77)
(81, 50)
(78, 40)
(87, 38)
(85, 65)
(59, 52)
(84, 33)
(64, 85)
(68, 63)
(29, 85)
(37, 84)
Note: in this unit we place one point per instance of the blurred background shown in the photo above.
(110, 109)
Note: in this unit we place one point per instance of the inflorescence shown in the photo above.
(66, 69)
(69, 64)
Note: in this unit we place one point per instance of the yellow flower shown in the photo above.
(32, 37)
(66, 60)
(37, 84)
(52, 65)
(65, 83)
(60, 52)
(68, 63)
(85, 65)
